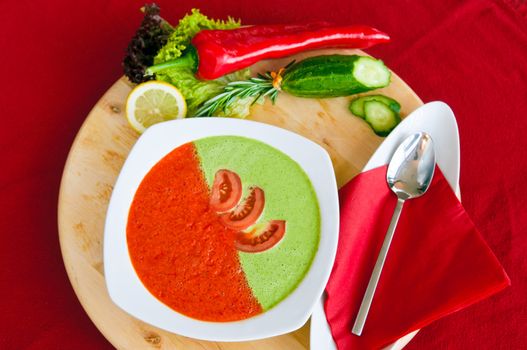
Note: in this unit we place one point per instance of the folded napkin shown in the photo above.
(437, 264)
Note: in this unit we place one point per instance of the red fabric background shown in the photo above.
(57, 59)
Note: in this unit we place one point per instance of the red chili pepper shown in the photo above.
(224, 51)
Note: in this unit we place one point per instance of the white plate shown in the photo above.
(437, 119)
(124, 286)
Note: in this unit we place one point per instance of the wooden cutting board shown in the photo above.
(99, 151)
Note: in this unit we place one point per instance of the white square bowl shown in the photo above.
(125, 287)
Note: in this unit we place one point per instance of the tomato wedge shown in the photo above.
(247, 212)
(259, 240)
(226, 190)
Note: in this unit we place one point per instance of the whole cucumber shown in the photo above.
(335, 75)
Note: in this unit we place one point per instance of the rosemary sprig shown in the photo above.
(257, 87)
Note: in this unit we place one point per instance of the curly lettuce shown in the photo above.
(187, 27)
(150, 37)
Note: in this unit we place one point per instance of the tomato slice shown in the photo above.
(259, 240)
(226, 190)
(247, 212)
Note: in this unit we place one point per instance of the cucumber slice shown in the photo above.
(371, 72)
(381, 117)
(357, 105)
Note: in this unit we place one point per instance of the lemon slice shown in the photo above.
(154, 102)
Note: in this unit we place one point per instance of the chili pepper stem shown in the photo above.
(189, 59)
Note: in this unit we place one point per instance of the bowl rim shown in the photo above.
(123, 285)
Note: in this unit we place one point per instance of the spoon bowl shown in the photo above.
(412, 166)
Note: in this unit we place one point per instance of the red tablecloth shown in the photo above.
(57, 58)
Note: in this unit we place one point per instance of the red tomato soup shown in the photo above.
(179, 247)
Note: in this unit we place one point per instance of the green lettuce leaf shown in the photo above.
(198, 91)
(187, 27)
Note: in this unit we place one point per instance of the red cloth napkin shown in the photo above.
(438, 262)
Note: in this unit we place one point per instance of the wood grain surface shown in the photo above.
(99, 151)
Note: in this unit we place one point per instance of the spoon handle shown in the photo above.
(376, 274)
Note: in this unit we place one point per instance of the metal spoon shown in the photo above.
(409, 174)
